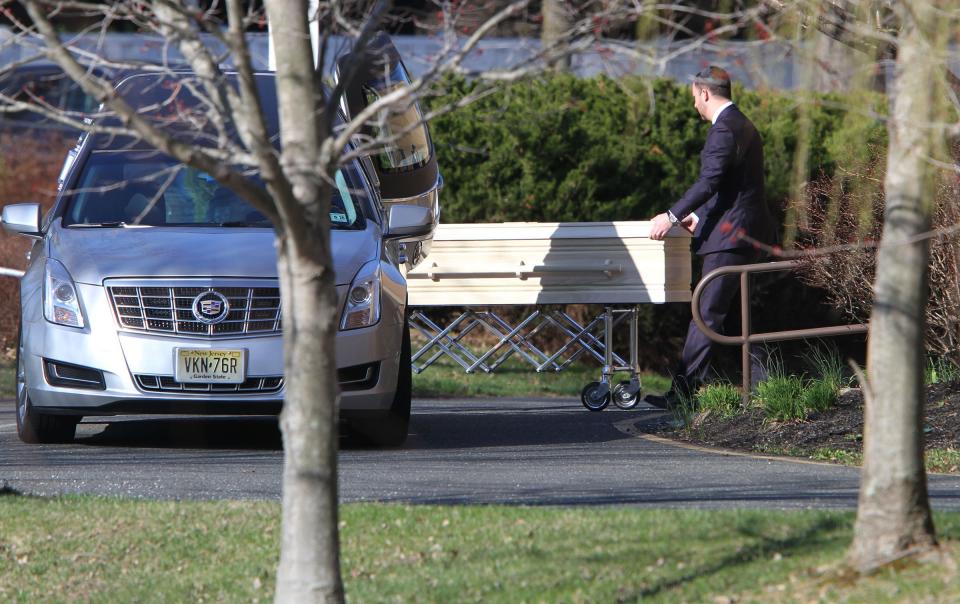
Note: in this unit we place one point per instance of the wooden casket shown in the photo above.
(528, 263)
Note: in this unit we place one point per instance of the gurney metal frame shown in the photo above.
(595, 339)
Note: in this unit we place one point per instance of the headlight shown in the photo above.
(362, 308)
(61, 303)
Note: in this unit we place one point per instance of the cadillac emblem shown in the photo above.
(211, 307)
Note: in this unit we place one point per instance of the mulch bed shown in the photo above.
(839, 428)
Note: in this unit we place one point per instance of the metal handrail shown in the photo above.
(10, 272)
(746, 338)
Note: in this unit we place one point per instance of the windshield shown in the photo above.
(121, 188)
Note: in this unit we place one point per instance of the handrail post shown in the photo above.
(745, 331)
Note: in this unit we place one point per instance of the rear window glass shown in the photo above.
(404, 128)
(148, 189)
(52, 88)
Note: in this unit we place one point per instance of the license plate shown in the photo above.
(210, 366)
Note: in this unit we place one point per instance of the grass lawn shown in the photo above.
(517, 379)
(944, 461)
(114, 550)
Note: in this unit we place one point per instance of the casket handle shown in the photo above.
(522, 271)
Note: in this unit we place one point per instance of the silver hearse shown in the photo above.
(160, 295)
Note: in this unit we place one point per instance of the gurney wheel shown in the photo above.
(623, 397)
(595, 396)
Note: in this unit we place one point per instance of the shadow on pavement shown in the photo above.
(568, 424)
(260, 433)
(431, 427)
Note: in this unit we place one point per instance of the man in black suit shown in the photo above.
(725, 203)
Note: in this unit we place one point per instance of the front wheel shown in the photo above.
(595, 396)
(35, 427)
(624, 396)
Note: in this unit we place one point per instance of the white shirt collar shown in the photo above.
(719, 111)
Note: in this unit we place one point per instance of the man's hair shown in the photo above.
(714, 79)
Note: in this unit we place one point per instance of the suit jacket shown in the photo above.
(728, 195)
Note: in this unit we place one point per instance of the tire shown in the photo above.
(623, 397)
(595, 396)
(390, 430)
(33, 426)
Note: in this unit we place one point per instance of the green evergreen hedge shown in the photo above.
(563, 148)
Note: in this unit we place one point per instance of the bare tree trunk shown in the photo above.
(555, 33)
(893, 516)
(309, 569)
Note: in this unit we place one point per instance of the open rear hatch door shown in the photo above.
(406, 166)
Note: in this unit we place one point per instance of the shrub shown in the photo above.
(781, 397)
(563, 148)
(791, 397)
(722, 399)
(685, 410)
(828, 366)
(819, 395)
(940, 371)
(847, 210)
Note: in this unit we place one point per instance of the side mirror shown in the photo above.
(22, 218)
(409, 221)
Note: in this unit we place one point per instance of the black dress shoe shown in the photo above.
(668, 400)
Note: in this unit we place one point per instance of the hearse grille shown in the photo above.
(253, 310)
(166, 383)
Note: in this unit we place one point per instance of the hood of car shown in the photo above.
(94, 254)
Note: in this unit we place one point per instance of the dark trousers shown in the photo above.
(717, 301)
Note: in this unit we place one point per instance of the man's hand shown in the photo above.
(659, 227)
(690, 222)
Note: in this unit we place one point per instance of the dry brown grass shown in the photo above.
(30, 161)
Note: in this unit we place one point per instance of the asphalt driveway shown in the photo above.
(509, 451)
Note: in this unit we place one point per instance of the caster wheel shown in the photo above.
(624, 396)
(595, 396)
